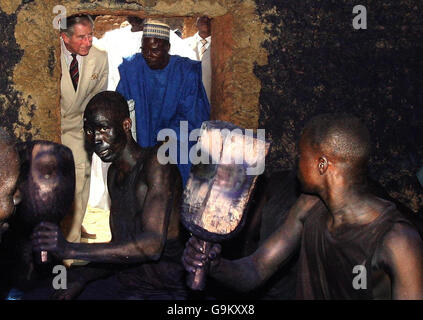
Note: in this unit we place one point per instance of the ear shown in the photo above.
(323, 165)
(65, 38)
(127, 124)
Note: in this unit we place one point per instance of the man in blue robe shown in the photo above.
(166, 89)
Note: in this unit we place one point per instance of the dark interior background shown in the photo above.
(319, 63)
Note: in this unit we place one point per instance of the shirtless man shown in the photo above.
(355, 246)
(142, 261)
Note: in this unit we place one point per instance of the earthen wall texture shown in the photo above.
(30, 85)
(319, 63)
(106, 23)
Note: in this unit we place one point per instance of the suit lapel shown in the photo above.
(84, 75)
(66, 85)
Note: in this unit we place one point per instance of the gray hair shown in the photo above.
(71, 21)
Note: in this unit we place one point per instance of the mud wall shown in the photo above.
(29, 92)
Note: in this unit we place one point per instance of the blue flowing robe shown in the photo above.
(163, 98)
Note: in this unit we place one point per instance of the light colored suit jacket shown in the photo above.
(192, 43)
(92, 79)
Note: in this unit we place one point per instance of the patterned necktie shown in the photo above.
(203, 48)
(74, 73)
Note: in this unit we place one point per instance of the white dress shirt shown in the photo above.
(195, 43)
(68, 55)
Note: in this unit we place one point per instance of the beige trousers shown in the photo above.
(72, 224)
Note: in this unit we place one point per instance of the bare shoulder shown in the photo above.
(111, 173)
(402, 236)
(400, 244)
(401, 257)
(157, 174)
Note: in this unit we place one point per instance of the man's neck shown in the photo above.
(351, 205)
(66, 47)
(203, 35)
(162, 65)
(70, 50)
(129, 157)
(166, 62)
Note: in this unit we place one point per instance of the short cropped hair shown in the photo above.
(71, 21)
(341, 135)
(111, 101)
(135, 20)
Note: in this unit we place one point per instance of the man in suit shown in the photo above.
(200, 42)
(84, 74)
(200, 45)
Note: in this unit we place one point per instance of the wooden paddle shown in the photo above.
(220, 185)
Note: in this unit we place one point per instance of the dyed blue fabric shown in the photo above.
(163, 98)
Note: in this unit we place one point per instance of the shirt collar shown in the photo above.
(65, 50)
(198, 38)
(68, 55)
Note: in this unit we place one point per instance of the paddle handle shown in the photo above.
(197, 280)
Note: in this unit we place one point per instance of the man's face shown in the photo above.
(9, 173)
(155, 52)
(203, 26)
(103, 135)
(307, 166)
(81, 40)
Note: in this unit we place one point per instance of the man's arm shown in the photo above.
(122, 86)
(193, 105)
(250, 272)
(148, 242)
(401, 256)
